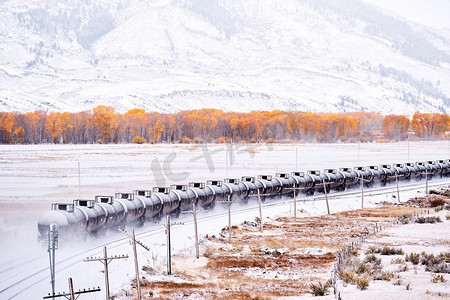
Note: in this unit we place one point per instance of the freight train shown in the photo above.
(109, 212)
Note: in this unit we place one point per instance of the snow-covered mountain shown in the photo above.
(171, 55)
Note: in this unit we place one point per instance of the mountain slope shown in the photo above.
(234, 55)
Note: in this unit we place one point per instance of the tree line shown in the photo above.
(104, 125)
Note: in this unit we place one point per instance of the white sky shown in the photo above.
(432, 13)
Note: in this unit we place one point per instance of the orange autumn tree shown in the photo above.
(430, 125)
(395, 127)
(156, 127)
(105, 123)
(7, 122)
(135, 123)
(34, 126)
(58, 126)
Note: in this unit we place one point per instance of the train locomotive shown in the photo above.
(115, 212)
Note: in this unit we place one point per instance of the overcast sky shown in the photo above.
(432, 13)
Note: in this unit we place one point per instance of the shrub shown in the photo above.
(404, 219)
(376, 265)
(437, 202)
(320, 289)
(414, 258)
(438, 278)
(431, 220)
(436, 264)
(447, 217)
(387, 276)
(209, 252)
(428, 259)
(147, 269)
(138, 140)
(348, 276)
(363, 268)
(371, 258)
(397, 261)
(198, 140)
(371, 250)
(186, 140)
(391, 251)
(403, 268)
(362, 283)
(224, 140)
(353, 252)
(381, 140)
(439, 267)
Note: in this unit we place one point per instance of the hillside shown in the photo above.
(171, 55)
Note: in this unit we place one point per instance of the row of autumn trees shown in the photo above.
(104, 125)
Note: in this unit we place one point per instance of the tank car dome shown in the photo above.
(53, 217)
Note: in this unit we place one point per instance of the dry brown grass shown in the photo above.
(227, 272)
(379, 214)
(171, 285)
(269, 262)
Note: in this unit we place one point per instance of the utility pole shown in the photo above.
(260, 213)
(295, 205)
(52, 246)
(136, 267)
(362, 191)
(294, 189)
(105, 260)
(326, 195)
(229, 202)
(71, 294)
(229, 219)
(194, 212)
(258, 194)
(362, 180)
(169, 250)
(398, 190)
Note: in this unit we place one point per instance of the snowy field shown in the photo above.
(33, 177)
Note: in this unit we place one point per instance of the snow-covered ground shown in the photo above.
(33, 177)
(413, 282)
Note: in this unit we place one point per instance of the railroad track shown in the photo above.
(383, 190)
(16, 284)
